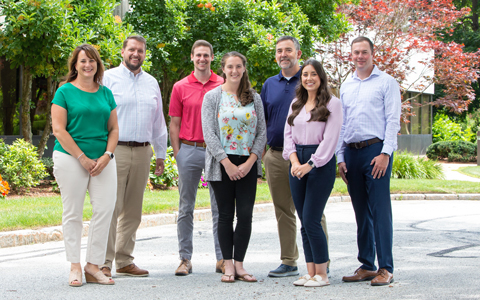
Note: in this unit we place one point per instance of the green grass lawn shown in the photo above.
(470, 171)
(38, 212)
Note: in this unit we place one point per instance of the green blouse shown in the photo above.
(87, 117)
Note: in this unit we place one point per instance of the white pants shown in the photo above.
(74, 181)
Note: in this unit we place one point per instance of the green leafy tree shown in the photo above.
(247, 26)
(30, 35)
(40, 36)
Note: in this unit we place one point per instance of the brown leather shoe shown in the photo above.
(184, 268)
(383, 278)
(106, 271)
(360, 275)
(132, 270)
(220, 267)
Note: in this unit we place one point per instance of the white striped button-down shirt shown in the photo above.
(371, 108)
(139, 108)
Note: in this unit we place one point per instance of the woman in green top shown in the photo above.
(84, 121)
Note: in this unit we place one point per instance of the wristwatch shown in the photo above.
(386, 154)
(110, 154)
(310, 163)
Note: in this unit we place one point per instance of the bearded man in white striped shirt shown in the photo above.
(142, 124)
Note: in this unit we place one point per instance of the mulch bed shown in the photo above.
(44, 189)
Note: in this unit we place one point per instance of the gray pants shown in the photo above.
(190, 163)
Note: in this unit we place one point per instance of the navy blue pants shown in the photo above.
(310, 195)
(236, 196)
(372, 205)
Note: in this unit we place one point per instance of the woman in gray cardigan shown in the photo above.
(234, 129)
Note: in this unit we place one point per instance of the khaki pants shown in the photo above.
(74, 181)
(133, 167)
(276, 171)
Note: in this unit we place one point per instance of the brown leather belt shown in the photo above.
(364, 144)
(280, 149)
(195, 144)
(133, 144)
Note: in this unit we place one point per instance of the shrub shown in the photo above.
(458, 151)
(48, 163)
(444, 129)
(407, 166)
(169, 177)
(20, 165)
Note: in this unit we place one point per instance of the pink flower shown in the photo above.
(233, 146)
(229, 137)
(225, 120)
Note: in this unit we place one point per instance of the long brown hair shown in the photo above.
(91, 52)
(320, 112)
(245, 92)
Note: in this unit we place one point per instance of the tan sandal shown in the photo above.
(99, 278)
(228, 278)
(75, 279)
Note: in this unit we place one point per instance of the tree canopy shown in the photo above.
(247, 26)
(401, 29)
(40, 36)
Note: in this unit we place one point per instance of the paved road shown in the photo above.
(436, 248)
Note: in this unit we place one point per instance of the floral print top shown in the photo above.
(237, 125)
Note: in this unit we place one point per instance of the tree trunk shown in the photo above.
(9, 89)
(475, 25)
(51, 88)
(26, 96)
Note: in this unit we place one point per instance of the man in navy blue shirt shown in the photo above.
(277, 94)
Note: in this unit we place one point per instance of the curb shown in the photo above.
(52, 234)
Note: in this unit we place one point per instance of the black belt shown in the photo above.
(364, 144)
(133, 144)
(277, 148)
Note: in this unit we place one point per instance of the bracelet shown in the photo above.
(80, 155)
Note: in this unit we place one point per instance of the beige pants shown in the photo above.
(276, 171)
(133, 167)
(74, 181)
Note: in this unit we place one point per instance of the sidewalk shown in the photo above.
(450, 171)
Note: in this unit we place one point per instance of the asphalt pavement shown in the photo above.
(436, 252)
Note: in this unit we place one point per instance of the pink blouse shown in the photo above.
(323, 134)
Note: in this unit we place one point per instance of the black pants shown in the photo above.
(239, 195)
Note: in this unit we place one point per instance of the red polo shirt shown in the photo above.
(186, 102)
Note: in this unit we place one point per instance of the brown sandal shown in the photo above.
(228, 278)
(75, 279)
(242, 278)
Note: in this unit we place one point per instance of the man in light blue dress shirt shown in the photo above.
(141, 123)
(371, 120)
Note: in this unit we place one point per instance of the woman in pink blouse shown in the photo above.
(311, 134)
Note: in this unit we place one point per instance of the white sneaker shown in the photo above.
(316, 281)
(301, 281)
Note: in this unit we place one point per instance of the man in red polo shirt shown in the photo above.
(186, 138)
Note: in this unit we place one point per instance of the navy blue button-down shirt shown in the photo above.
(277, 95)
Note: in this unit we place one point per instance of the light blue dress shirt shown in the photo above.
(139, 108)
(371, 108)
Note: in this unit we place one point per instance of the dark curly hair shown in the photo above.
(245, 92)
(320, 112)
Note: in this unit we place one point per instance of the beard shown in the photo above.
(282, 64)
(133, 67)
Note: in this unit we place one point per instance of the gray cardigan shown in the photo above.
(211, 134)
